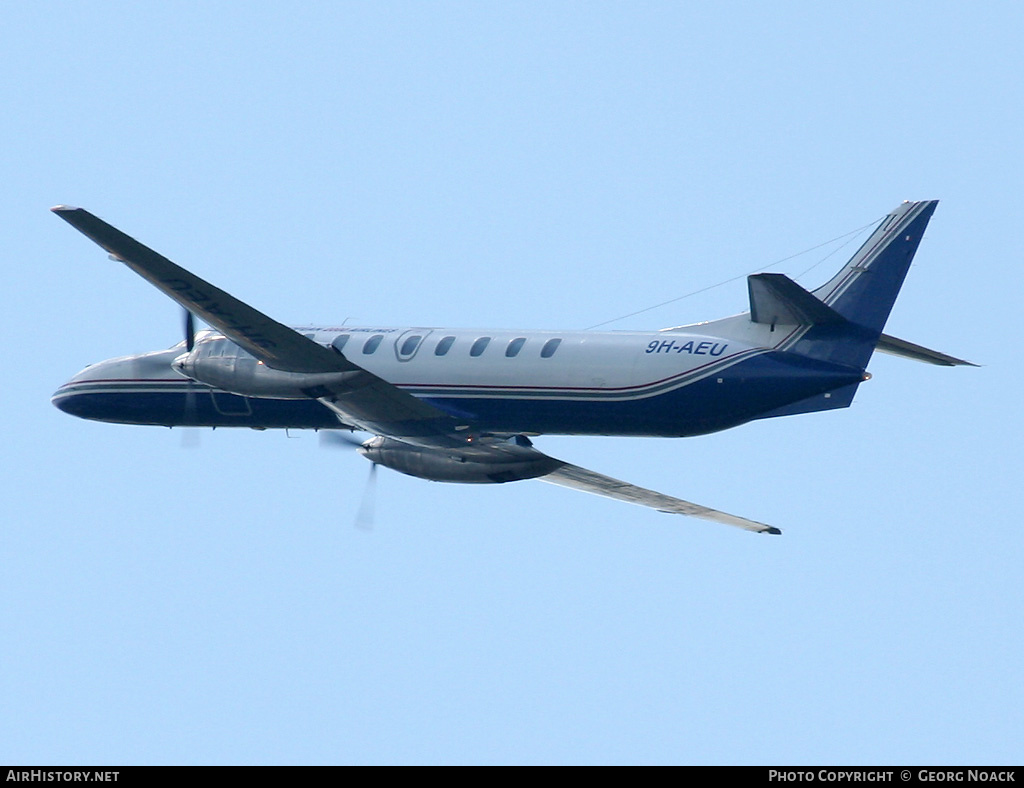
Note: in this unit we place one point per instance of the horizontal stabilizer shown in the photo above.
(900, 347)
(777, 299)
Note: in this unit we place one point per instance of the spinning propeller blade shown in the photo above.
(190, 331)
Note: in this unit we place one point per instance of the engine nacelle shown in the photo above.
(221, 363)
(440, 466)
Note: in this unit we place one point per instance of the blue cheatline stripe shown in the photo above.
(765, 381)
(471, 391)
(457, 391)
(582, 393)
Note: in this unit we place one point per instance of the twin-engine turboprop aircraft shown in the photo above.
(460, 405)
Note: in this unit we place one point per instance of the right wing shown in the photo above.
(588, 481)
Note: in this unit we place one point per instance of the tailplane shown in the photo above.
(842, 321)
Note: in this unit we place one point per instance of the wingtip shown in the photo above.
(64, 208)
(772, 530)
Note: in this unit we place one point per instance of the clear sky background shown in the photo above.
(530, 165)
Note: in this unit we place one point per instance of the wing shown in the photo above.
(367, 401)
(274, 344)
(588, 481)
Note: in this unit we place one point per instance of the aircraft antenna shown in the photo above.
(848, 236)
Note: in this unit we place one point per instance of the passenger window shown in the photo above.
(550, 347)
(444, 346)
(372, 344)
(514, 347)
(479, 346)
(410, 345)
(339, 342)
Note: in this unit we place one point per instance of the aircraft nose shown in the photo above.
(83, 395)
(66, 400)
(108, 391)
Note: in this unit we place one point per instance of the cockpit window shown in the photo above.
(219, 347)
(202, 337)
(372, 344)
(479, 346)
(444, 346)
(514, 347)
(550, 347)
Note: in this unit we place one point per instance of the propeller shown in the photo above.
(190, 331)
(364, 517)
(190, 435)
(334, 439)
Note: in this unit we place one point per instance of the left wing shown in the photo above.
(588, 481)
(274, 344)
(366, 401)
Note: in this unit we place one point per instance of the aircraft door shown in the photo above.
(409, 343)
(236, 363)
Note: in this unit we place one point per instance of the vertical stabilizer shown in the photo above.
(864, 291)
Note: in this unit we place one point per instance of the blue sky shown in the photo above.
(519, 165)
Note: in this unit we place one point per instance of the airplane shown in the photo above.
(462, 405)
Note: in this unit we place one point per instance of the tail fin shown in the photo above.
(855, 304)
(865, 289)
(842, 321)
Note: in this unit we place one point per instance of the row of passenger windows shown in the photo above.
(411, 343)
